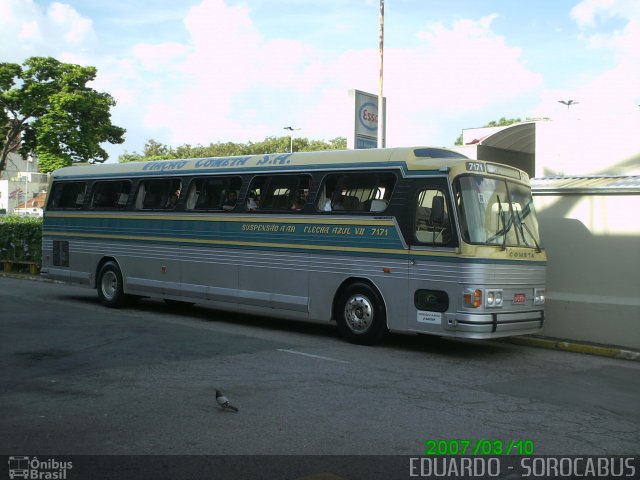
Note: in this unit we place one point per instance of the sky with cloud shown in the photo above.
(202, 71)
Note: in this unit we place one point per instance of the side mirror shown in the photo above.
(437, 210)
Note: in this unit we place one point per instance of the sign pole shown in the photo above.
(381, 109)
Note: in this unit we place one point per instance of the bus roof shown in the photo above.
(411, 160)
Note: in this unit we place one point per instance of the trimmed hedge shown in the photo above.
(21, 239)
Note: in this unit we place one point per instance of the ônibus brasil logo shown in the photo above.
(33, 468)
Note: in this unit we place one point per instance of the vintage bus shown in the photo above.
(420, 240)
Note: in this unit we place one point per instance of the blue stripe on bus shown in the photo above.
(343, 237)
(381, 237)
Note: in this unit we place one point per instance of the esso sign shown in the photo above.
(368, 116)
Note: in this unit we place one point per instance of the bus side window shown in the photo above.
(110, 195)
(158, 194)
(212, 193)
(432, 221)
(356, 192)
(67, 195)
(278, 192)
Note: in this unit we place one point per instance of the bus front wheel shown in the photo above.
(361, 314)
(110, 286)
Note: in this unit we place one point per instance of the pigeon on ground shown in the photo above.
(224, 402)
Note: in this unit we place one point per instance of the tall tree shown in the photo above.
(48, 109)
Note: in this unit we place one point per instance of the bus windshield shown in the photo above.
(496, 212)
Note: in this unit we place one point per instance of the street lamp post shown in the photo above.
(28, 160)
(291, 129)
(26, 187)
(568, 103)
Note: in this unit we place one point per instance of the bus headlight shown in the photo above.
(539, 296)
(494, 298)
(472, 298)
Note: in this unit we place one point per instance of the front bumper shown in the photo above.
(489, 325)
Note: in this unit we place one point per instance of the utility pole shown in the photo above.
(381, 112)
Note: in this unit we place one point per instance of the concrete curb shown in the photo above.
(570, 346)
(27, 276)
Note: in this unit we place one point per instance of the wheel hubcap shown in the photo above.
(358, 313)
(109, 285)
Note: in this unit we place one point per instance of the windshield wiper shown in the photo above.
(526, 227)
(521, 230)
(505, 226)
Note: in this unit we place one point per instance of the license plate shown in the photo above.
(519, 297)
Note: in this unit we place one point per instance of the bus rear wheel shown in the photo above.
(110, 286)
(361, 315)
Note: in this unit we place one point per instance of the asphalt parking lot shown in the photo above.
(81, 379)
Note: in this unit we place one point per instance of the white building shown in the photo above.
(20, 182)
(586, 187)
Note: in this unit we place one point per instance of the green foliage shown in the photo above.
(48, 109)
(503, 122)
(48, 162)
(21, 239)
(157, 151)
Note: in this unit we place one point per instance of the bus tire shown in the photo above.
(110, 286)
(361, 314)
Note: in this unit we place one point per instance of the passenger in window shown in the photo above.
(230, 202)
(173, 199)
(252, 202)
(298, 203)
(334, 202)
